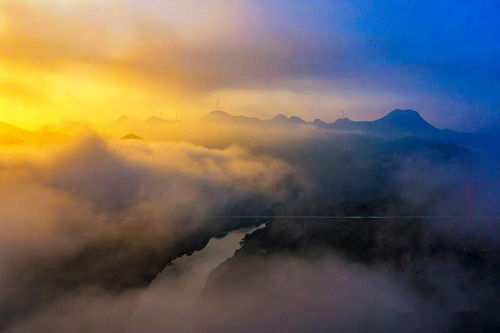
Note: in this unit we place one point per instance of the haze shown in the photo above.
(249, 166)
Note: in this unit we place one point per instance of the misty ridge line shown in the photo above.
(405, 119)
(397, 119)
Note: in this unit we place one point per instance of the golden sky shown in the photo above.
(91, 60)
(82, 60)
(95, 60)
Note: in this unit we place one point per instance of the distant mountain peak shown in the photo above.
(409, 120)
(219, 116)
(280, 117)
(216, 115)
(297, 120)
(344, 120)
(132, 136)
(219, 112)
(404, 113)
(6, 126)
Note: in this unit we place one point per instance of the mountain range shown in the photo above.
(397, 123)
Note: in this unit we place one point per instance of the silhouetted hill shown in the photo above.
(397, 122)
(226, 118)
(405, 120)
(222, 117)
(13, 130)
(13, 135)
(10, 134)
(297, 120)
(132, 136)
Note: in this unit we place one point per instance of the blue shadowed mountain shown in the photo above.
(400, 122)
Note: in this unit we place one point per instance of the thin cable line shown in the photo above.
(316, 217)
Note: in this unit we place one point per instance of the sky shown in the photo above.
(94, 61)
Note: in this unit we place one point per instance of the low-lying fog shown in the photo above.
(88, 224)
